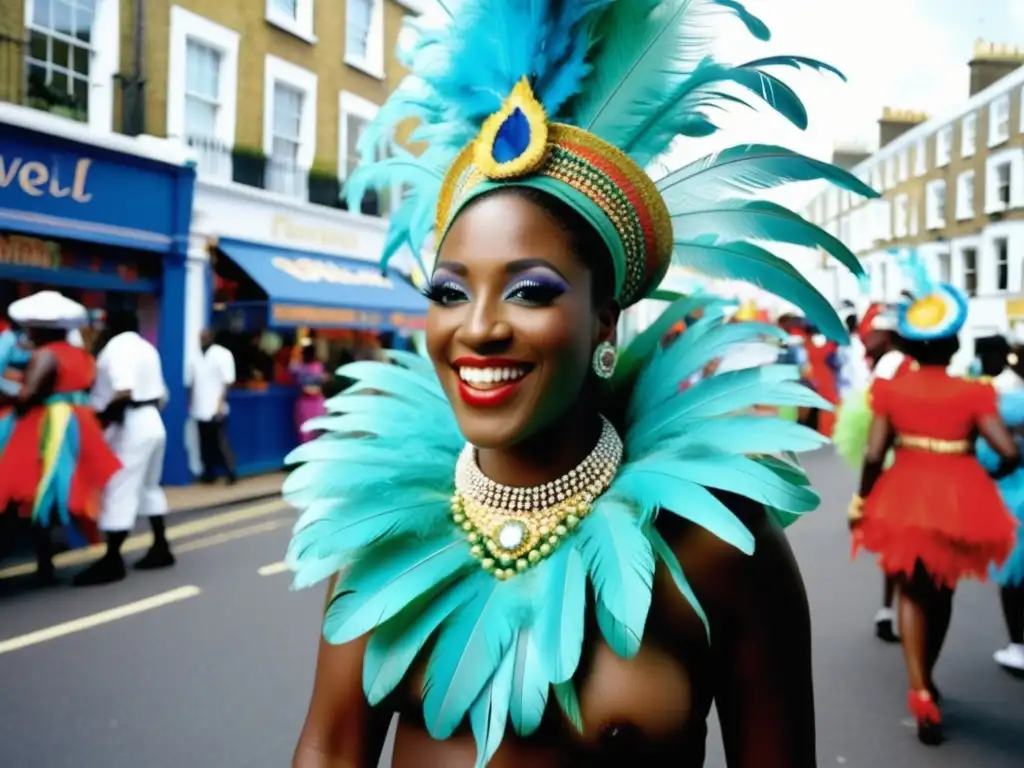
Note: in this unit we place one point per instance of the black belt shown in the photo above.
(143, 403)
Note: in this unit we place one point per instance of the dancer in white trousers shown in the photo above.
(128, 395)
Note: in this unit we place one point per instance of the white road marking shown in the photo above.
(273, 569)
(98, 619)
(144, 540)
(232, 535)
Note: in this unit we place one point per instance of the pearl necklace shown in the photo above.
(511, 529)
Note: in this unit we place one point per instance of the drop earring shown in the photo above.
(604, 360)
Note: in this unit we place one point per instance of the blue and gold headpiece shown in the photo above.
(936, 310)
(576, 98)
(517, 146)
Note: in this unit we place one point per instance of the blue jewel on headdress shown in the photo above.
(513, 137)
(513, 141)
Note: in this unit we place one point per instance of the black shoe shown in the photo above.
(106, 570)
(159, 556)
(929, 733)
(884, 629)
(46, 577)
(232, 479)
(936, 694)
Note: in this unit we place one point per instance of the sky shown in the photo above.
(909, 54)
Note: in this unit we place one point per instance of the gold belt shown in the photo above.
(933, 444)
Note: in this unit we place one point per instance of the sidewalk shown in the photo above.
(193, 497)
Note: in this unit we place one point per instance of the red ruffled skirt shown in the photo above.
(79, 470)
(942, 510)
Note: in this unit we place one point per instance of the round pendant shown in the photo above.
(511, 535)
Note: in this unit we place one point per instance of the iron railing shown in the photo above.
(215, 160)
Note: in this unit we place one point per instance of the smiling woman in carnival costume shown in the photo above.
(935, 516)
(543, 552)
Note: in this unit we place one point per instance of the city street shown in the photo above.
(210, 664)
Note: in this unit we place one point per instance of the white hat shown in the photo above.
(48, 309)
(75, 338)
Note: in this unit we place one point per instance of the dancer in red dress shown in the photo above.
(935, 516)
(54, 461)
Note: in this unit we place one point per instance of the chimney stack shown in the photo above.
(896, 122)
(849, 157)
(991, 63)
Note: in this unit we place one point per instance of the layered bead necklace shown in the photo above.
(511, 529)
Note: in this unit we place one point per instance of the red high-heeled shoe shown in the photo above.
(929, 718)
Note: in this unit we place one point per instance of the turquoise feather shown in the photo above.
(754, 25)
(654, 491)
(621, 567)
(357, 451)
(489, 713)
(729, 434)
(753, 264)
(469, 650)
(796, 62)
(395, 380)
(559, 623)
(750, 168)
(386, 174)
(726, 473)
(414, 362)
(736, 220)
(530, 685)
(395, 644)
(378, 587)
(668, 557)
(565, 694)
(646, 50)
(738, 390)
(369, 524)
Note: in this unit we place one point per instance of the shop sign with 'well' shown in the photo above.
(54, 187)
(38, 179)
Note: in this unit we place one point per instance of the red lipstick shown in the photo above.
(492, 396)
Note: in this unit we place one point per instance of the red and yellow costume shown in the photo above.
(936, 504)
(55, 457)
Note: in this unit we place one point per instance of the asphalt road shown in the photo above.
(212, 669)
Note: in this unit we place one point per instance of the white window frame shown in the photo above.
(372, 63)
(966, 204)
(935, 219)
(352, 104)
(280, 71)
(105, 63)
(185, 26)
(996, 137)
(969, 135)
(890, 172)
(1014, 158)
(903, 172)
(301, 26)
(914, 218)
(1003, 238)
(943, 146)
(901, 205)
(921, 158)
(973, 247)
(876, 178)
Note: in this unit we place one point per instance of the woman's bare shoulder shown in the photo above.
(725, 580)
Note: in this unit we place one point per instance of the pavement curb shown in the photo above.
(220, 505)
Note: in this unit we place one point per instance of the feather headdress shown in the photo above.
(930, 309)
(577, 97)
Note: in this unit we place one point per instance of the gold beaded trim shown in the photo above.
(933, 444)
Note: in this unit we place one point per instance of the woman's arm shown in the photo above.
(341, 730)
(760, 641)
(880, 440)
(998, 435)
(40, 377)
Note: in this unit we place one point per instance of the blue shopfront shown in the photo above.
(108, 226)
(290, 291)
